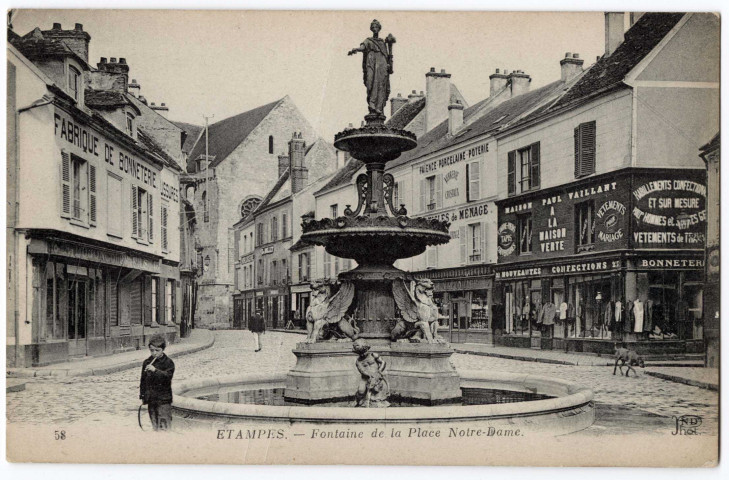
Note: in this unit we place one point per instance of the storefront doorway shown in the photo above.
(458, 320)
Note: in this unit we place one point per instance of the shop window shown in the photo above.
(524, 233)
(528, 171)
(585, 149)
(170, 302)
(155, 300)
(479, 309)
(55, 288)
(585, 226)
(474, 243)
(142, 215)
(473, 181)
(430, 193)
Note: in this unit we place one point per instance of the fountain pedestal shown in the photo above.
(420, 373)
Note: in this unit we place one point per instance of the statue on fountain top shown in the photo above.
(376, 71)
(419, 321)
(327, 309)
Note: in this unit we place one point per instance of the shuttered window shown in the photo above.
(150, 218)
(163, 226)
(463, 244)
(474, 242)
(135, 212)
(65, 184)
(511, 175)
(585, 144)
(431, 259)
(473, 181)
(92, 195)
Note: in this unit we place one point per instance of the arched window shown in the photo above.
(270, 144)
(206, 212)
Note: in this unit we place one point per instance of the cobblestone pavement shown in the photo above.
(636, 403)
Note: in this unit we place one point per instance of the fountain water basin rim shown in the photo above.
(571, 400)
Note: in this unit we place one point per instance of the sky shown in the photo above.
(223, 63)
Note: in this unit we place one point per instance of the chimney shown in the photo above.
(498, 82)
(298, 173)
(134, 88)
(571, 66)
(437, 97)
(77, 40)
(112, 66)
(614, 31)
(396, 103)
(455, 117)
(283, 164)
(519, 82)
(161, 109)
(415, 96)
(142, 99)
(635, 16)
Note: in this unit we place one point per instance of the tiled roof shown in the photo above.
(406, 114)
(343, 175)
(104, 99)
(225, 136)
(438, 138)
(192, 131)
(609, 71)
(269, 196)
(34, 45)
(152, 146)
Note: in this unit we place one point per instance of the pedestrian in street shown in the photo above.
(257, 325)
(155, 386)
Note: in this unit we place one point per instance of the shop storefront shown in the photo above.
(274, 303)
(463, 296)
(300, 300)
(91, 300)
(611, 259)
(243, 307)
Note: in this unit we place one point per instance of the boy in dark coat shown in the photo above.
(155, 386)
(257, 325)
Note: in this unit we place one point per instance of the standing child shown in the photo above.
(257, 326)
(155, 386)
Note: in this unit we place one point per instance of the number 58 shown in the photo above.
(60, 434)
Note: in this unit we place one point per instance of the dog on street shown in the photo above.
(629, 359)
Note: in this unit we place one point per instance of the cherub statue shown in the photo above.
(373, 388)
(419, 312)
(326, 308)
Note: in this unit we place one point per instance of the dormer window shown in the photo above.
(74, 82)
(130, 124)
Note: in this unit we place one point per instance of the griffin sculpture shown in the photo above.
(419, 313)
(328, 309)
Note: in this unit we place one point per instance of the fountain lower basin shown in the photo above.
(570, 408)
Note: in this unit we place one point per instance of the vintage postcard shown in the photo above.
(363, 237)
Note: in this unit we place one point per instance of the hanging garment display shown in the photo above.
(638, 312)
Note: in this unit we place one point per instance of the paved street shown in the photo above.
(641, 403)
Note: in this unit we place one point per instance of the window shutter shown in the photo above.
(65, 184)
(163, 221)
(587, 147)
(438, 191)
(578, 159)
(92, 195)
(462, 239)
(422, 195)
(147, 300)
(534, 177)
(473, 175)
(150, 216)
(135, 213)
(484, 236)
(511, 175)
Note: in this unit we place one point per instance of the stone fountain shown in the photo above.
(376, 302)
(372, 337)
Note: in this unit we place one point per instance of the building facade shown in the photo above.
(711, 153)
(601, 208)
(95, 250)
(241, 167)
